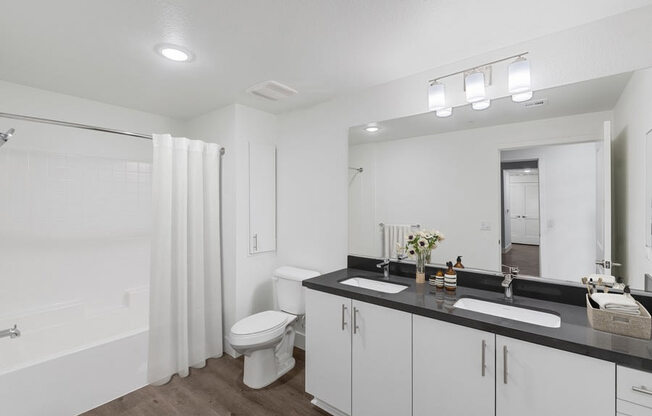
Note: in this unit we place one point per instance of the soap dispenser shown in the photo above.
(459, 264)
(450, 277)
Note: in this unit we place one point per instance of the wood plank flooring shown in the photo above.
(526, 257)
(217, 390)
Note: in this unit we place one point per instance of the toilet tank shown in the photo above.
(289, 292)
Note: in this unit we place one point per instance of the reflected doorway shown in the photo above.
(521, 220)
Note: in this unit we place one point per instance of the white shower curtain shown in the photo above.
(185, 322)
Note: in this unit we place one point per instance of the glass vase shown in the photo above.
(421, 267)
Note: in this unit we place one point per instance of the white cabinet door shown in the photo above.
(328, 349)
(539, 381)
(454, 371)
(382, 361)
(262, 198)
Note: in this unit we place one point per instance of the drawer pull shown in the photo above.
(642, 389)
(343, 314)
(505, 364)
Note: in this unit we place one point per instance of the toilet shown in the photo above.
(266, 339)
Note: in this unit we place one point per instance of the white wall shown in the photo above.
(75, 204)
(246, 278)
(457, 187)
(313, 143)
(567, 190)
(632, 119)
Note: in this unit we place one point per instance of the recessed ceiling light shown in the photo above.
(175, 53)
(371, 129)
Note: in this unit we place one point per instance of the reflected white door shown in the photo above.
(524, 209)
(603, 203)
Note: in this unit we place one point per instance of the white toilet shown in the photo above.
(266, 339)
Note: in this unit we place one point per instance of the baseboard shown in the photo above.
(507, 249)
(327, 408)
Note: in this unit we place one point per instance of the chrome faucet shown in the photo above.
(508, 279)
(11, 332)
(385, 266)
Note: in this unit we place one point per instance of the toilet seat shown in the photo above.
(260, 328)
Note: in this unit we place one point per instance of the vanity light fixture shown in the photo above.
(481, 105)
(371, 129)
(474, 85)
(522, 96)
(475, 82)
(519, 78)
(436, 96)
(444, 112)
(174, 53)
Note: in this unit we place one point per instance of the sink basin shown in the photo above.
(510, 312)
(378, 286)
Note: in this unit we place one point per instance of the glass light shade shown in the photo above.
(519, 76)
(522, 96)
(481, 105)
(436, 96)
(474, 84)
(444, 112)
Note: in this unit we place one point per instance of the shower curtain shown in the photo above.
(185, 285)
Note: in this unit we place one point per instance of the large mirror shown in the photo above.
(553, 185)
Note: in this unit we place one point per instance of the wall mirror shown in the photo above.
(551, 185)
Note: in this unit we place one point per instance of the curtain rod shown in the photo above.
(79, 126)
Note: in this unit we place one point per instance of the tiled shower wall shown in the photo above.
(74, 228)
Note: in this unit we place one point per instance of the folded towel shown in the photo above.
(616, 303)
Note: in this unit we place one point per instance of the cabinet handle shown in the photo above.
(355, 320)
(256, 242)
(642, 389)
(505, 364)
(484, 366)
(343, 321)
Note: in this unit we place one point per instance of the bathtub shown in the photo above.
(68, 361)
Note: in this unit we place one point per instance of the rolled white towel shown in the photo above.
(617, 303)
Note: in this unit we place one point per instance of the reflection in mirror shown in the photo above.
(520, 184)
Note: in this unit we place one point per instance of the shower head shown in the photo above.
(4, 137)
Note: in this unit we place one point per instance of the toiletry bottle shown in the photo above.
(450, 278)
(459, 264)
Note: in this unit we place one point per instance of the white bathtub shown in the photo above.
(68, 361)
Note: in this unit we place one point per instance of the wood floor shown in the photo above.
(217, 390)
(526, 257)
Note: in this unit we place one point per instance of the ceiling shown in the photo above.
(591, 96)
(323, 48)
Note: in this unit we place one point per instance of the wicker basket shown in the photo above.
(619, 323)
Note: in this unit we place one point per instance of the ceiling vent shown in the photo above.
(272, 90)
(535, 103)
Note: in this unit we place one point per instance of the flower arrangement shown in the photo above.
(421, 244)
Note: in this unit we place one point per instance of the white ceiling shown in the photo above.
(103, 50)
(591, 96)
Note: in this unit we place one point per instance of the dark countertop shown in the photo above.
(574, 335)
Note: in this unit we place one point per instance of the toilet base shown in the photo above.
(264, 366)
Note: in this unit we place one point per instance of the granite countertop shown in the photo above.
(574, 335)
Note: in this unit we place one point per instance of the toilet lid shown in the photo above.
(260, 322)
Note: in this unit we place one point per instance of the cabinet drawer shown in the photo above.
(630, 409)
(634, 386)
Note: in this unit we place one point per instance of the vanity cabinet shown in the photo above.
(634, 392)
(328, 349)
(382, 359)
(358, 356)
(535, 380)
(454, 369)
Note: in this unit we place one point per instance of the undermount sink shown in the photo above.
(510, 312)
(378, 286)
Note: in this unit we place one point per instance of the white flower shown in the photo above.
(412, 252)
(427, 235)
(410, 237)
(422, 242)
